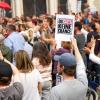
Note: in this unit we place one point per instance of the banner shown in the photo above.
(64, 27)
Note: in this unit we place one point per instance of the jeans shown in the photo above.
(46, 87)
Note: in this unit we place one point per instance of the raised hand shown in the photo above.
(74, 42)
(93, 41)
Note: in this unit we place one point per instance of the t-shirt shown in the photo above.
(30, 83)
(75, 89)
(80, 41)
(85, 33)
(69, 90)
(7, 53)
(13, 92)
(45, 71)
(81, 44)
(28, 48)
(15, 42)
(94, 58)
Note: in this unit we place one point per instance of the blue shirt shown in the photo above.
(15, 42)
(28, 48)
(86, 21)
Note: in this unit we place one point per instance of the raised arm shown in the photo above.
(92, 56)
(80, 69)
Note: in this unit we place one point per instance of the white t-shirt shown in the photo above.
(94, 58)
(30, 84)
(85, 33)
(23, 33)
(28, 48)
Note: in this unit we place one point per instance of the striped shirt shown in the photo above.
(45, 71)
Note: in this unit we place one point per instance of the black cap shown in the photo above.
(5, 70)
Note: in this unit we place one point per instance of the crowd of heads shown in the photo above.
(39, 33)
(32, 29)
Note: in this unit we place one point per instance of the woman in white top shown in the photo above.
(29, 76)
(92, 56)
(42, 61)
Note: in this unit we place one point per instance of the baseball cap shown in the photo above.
(5, 70)
(66, 59)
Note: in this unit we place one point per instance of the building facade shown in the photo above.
(37, 7)
(33, 7)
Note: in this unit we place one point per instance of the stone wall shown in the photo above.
(97, 4)
(94, 3)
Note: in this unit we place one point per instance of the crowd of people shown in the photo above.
(33, 68)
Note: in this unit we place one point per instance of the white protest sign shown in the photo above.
(64, 27)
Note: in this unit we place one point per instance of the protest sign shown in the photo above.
(64, 27)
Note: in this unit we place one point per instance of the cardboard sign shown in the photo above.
(64, 27)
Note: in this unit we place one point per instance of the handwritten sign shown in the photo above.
(64, 27)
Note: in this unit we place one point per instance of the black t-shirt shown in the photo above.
(13, 92)
(80, 41)
(81, 44)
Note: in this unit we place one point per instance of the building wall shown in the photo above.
(63, 6)
(28, 7)
(97, 4)
(17, 7)
(94, 3)
(36, 7)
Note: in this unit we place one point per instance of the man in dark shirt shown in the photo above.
(80, 40)
(7, 53)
